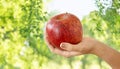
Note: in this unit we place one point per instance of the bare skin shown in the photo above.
(88, 46)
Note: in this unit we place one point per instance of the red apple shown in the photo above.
(64, 27)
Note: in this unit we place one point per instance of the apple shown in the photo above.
(64, 27)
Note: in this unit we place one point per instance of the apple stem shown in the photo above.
(66, 12)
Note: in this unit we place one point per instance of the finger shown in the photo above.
(73, 53)
(51, 47)
(48, 44)
(69, 47)
(66, 53)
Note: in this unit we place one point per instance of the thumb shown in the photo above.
(68, 46)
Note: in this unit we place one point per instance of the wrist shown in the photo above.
(97, 47)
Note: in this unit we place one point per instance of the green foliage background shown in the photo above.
(21, 35)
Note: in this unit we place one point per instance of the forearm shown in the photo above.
(111, 56)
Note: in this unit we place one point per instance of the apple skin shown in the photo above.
(64, 27)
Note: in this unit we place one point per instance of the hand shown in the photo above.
(84, 47)
(88, 46)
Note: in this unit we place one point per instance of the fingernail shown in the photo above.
(62, 46)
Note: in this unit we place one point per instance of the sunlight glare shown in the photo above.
(77, 7)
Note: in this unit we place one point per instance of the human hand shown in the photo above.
(88, 46)
(84, 47)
